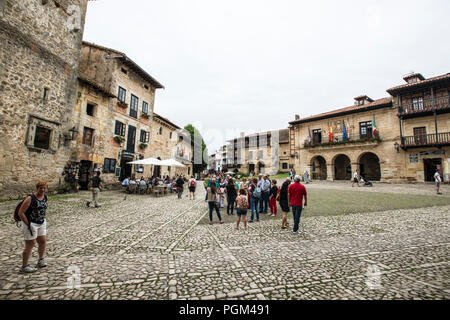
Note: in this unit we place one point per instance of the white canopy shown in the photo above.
(171, 163)
(148, 161)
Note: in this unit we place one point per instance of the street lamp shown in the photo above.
(397, 146)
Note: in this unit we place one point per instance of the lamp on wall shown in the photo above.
(73, 133)
(397, 146)
(296, 155)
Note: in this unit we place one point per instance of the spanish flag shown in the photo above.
(331, 134)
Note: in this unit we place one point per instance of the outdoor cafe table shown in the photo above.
(164, 188)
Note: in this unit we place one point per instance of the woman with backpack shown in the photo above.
(241, 208)
(213, 201)
(192, 185)
(34, 226)
(284, 203)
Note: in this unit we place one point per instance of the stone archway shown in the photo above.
(318, 167)
(342, 167)
(369, 166)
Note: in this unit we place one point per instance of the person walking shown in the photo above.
(284, 202)
(206, 185)
(296, 193)
(221, 192)
(265, 191)
(213, 201)
(255, 194)
(437, 180)
(192, 185)
(97, 185)
(179, 185)
(355, 179)
(273, 198)
(241, 208)
(34, 226)
(231, 196)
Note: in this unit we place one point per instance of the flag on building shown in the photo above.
(331, 134)
(374, 127)
(344, 131)
(309, 138)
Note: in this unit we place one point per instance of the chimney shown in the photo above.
(362, 100)
(413, 77)
(297, 117)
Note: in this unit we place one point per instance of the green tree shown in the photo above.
(196, 136)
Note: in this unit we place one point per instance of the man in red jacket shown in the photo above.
(296, 193)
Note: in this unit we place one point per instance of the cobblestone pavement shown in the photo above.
(155, 248)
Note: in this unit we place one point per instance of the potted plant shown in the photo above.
(122, 104)
(145, 115)
(119, 139)
(143, 145)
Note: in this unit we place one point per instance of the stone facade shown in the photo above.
(423, 107)
(264, 152)
(39, 57)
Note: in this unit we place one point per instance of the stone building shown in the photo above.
(264, 152)
(423, 107)
(113, 115)
(333, 145)
(169, 141)
(39, 57)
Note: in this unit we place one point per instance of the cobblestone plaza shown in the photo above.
(144, 247)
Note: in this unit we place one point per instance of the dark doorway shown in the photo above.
(131, 138)
(157, 170)
(85, 174)
(318, 168)
(125, 167)
(369, 166)
(342, 168)
(430, 166)
(251, 167)
(261, 167)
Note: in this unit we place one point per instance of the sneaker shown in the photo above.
(210, 222)
(97, 206)
(27, 269)
(250, 221)
(41, 263)
(294, 232)
(221, 222)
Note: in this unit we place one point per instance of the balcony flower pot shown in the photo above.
(145, 115)
(143, 146)
(119, 139)
(122, 104)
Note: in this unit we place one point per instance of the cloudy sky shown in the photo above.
(250, 65)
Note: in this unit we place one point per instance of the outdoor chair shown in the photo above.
(132, 188)
(142, 188)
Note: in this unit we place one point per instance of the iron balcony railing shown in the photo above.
(424, 140)
(425, 105)
(338, 139)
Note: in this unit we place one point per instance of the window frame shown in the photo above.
(146, 105)
(134, 111)
(85, 130)
(122, 91)
(49, 140)
(366, 125)
(122, 128)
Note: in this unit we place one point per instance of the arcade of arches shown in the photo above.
(342, 168)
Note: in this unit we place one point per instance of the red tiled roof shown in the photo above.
(351, 109)
(409, 85)
(165, 120)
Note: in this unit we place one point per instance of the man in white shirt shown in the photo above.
(437, 179)
(355, 179)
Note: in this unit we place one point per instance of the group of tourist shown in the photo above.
(257, 194)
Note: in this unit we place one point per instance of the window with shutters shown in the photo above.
(109, 165)
(144, 107)
(145, 136)
(365, 129)
(119, 129)
(134, 106)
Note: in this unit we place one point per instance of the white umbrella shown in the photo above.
(148, 161)
(171, 163)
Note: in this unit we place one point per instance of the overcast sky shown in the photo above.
(251, 65)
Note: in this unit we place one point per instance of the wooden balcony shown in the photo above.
(339, 140)
(424, 107)
(426, 140)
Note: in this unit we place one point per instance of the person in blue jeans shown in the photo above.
(241, 208)
(296, 193)
(231, 196)
(253, 200)
(212, 202)
(264, 184)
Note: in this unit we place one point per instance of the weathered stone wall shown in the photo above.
(39, 49)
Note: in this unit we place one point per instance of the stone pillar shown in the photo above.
(330, 172)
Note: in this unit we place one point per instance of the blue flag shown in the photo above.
(309, 139)
(344, 131)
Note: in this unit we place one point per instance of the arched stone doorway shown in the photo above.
(342, 167)
(318, 166)
(369, 166)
